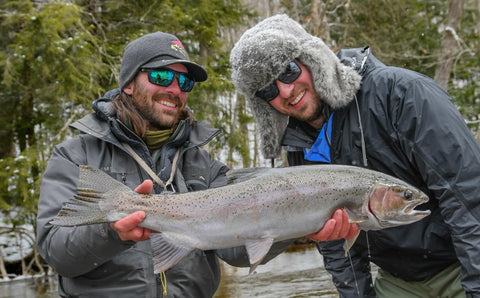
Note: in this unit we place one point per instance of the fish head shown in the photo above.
(394, 204)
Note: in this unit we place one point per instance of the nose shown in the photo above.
(284, 89)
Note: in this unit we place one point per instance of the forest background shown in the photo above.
(56, 57)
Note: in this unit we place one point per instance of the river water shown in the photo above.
(298, 272)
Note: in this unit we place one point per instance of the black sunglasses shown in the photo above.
(164, 77)
(291, 73)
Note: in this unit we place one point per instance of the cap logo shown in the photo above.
(178, 47)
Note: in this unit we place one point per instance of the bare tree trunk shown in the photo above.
(3, 270)
(319, 22)
(449, 42)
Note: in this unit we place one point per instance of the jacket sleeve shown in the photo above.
(351, 273)
(71, 251)
(434, 137)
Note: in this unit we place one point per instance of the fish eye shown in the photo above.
(407, 194)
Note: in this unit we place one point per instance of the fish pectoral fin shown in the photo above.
(355, 216)
(257, 249)
(348, 244)
(165, 253)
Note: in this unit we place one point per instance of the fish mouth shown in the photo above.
(402, 216)
(410, 210)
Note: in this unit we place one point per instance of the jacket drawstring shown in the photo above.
(364, 150)
(150, 172)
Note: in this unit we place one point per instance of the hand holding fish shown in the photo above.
(127, 227)
(337, 227)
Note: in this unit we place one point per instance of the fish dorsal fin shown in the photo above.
(165, 253)
(241, 175)
(257, 249)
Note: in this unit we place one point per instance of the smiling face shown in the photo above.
(160, 106)
(299, 99)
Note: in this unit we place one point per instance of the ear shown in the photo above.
(129, 88)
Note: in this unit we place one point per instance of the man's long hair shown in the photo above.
(127, 112)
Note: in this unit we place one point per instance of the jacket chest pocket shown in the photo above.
(196, 178)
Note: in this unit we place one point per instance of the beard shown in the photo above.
(314, 113)
(157, 118)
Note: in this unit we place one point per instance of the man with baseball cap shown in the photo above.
(143, 130)
(134, 134)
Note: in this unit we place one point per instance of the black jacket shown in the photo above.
(413, 131)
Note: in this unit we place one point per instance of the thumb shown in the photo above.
(145, 188)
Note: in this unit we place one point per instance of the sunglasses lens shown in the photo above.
(185, 83)
(292, 73)
(161, 77)
(268, 93)
(165, 77)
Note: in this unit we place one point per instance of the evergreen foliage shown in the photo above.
(56, 57)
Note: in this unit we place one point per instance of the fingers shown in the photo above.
(128, 229)
(339, 224)
(325, 233)
(352, 232)
(145, 188)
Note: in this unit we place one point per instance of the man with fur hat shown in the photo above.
(349, 108)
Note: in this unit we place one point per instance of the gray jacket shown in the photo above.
(91, 260)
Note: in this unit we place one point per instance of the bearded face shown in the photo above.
(161, 110)
(160, 106)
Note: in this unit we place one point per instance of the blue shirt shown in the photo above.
(320, 150)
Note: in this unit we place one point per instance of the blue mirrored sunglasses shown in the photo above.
(291, 73)
(164, 77)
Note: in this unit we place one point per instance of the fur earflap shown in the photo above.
(262, 54)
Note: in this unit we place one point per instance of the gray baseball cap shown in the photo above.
(155, 50)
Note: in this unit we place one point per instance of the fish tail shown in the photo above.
(82, 210)
(93, 200)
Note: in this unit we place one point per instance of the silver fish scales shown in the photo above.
(258, 207)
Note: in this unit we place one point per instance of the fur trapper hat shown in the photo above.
(262, 54)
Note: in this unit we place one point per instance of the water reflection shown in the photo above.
(42, 287)
(295, 273)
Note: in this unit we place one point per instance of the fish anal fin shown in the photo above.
(165, 253)
(257, 249)
(349, 243)
(355, 217)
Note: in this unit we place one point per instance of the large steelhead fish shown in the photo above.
(258, 207)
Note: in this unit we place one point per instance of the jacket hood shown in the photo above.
(103, 107)
(262, 54)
